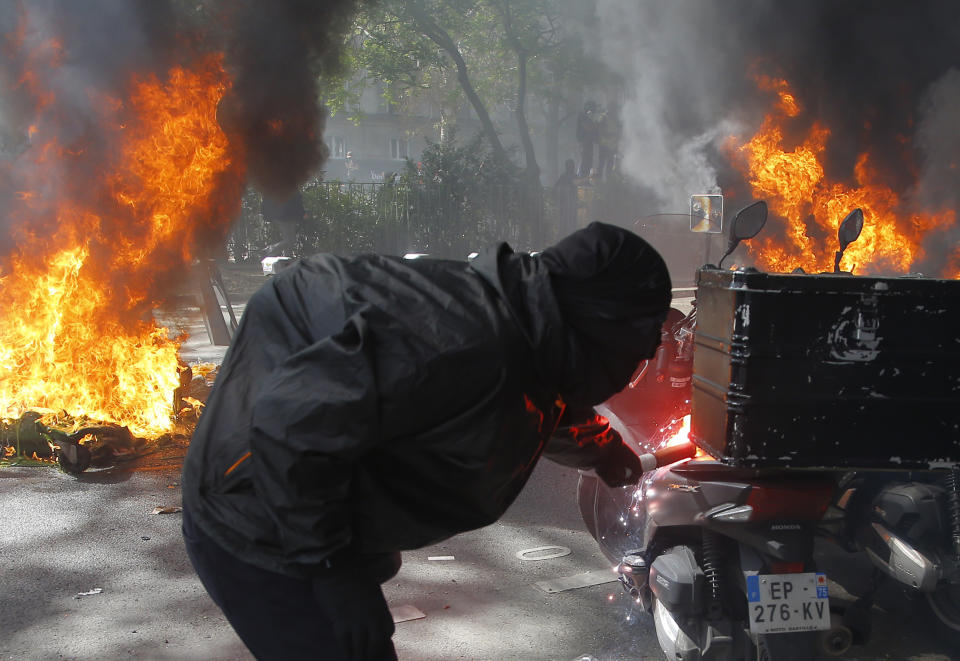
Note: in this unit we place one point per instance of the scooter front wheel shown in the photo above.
(606, 513)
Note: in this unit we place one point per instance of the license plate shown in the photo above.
(784, 603)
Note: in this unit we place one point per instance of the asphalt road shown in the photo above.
(61, 536)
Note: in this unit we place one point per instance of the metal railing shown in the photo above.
(443, 220)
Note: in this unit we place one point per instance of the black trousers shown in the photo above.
(276, 616)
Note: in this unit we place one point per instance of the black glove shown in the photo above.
(354, 604)
(620, 465)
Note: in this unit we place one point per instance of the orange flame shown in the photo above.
(93, 255)
(787, 102)
(793, 182)
(953, 265)
(681, 435)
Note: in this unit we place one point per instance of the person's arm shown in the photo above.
(315, 416)
(584, 439)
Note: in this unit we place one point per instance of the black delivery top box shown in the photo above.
(827, 371)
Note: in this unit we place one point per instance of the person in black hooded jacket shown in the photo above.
(372, 405)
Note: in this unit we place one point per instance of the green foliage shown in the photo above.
(383, 50)
(462, 167)
(491, 54)
(464, 197)
(250, 233)
(458, 199)
(341, 218)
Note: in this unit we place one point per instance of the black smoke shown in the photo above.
(865, 68)
(275, 52)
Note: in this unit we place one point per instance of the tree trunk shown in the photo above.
(532, 173)
(552, 165)
(532, 191)
(439, 36)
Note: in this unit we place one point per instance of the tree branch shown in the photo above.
(439, 36)
(523, 55)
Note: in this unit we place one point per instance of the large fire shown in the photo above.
(793, 182)
(100, 228)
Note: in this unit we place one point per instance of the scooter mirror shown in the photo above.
(746, 224)
(850, 228)
(749, 221)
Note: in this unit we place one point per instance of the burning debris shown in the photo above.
(74, 444)
(195, 385)
(129, 168)
(102, 218)
(76, 333)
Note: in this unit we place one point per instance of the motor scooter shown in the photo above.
(721, 556)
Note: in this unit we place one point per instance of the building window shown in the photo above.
(338, 148)
(399, 148)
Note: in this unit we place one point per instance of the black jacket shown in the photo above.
(376, 404)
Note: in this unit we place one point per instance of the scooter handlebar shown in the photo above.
(668, 455)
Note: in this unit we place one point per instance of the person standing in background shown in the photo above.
(587, 136)
(609, 141)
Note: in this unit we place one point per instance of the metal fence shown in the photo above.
(442, 220)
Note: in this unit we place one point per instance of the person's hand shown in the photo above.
(620, 466)
(355, 606)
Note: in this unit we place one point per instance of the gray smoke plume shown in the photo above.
(677, 62)
(878, 73)
(938, 137)
(672, 114)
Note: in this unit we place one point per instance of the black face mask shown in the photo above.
(613, 290)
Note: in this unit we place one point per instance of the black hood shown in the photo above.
(591, 306)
